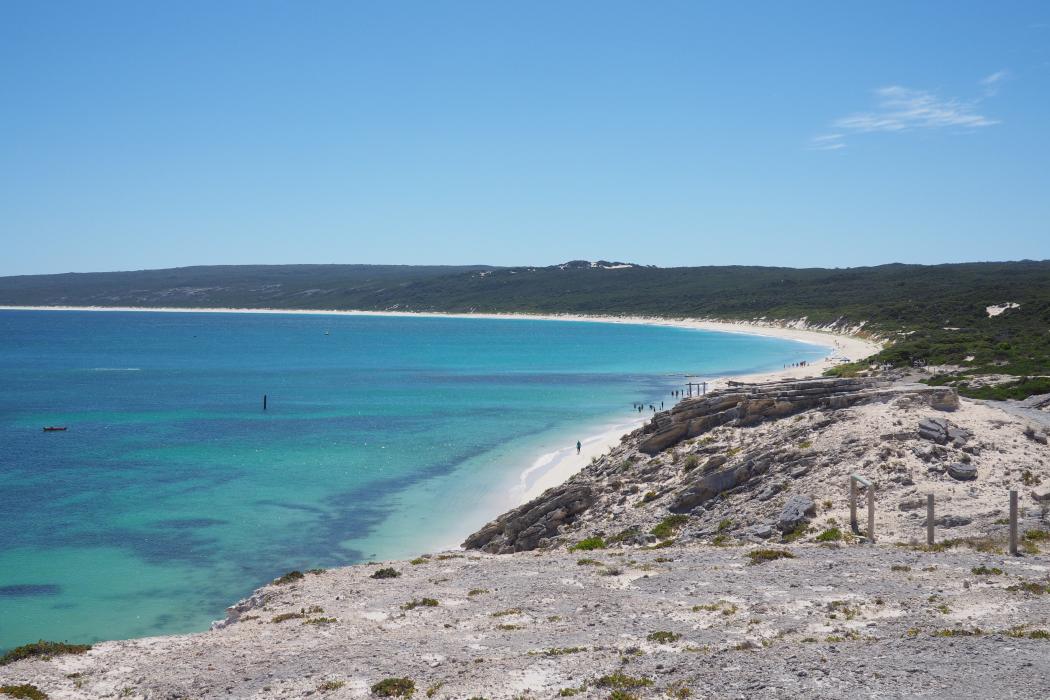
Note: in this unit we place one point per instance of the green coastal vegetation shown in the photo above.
(930, 314)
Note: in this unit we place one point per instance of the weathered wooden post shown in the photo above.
(1013, 522)
(853, 504)
(855, 479)
(929, 519)
(871, 513)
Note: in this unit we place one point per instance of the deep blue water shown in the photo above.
(173, 493)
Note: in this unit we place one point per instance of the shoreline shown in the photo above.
(847, 347)
(555, 468)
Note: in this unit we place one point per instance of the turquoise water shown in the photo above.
(173, 493)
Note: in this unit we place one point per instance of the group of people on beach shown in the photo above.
(803, 363)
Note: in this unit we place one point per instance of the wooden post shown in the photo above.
(705, 389)
(871, 513)
(853, 504)
(1013, 522)
(264, 402)
(929, 518)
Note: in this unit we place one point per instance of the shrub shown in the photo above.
(900, 567)
(388, 572)
(30, 692)
(331, 685)
(800, 530)
(394, 688)
(649, 497)
(284, 617)
(1029, 587)
(588, 562)
(587, 545)
(841, 606)
(669, 526)
(621, 680)
(691, 462)
(759, 556)
(832, 534)
(42, 649)
(288, 578)
(726, 607)
(976, 632)
(422, 602)
(985, 571)
(663, 637)
(561, 651)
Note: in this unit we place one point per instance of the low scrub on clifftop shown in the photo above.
(43, 650)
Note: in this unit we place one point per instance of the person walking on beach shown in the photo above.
(578, 446)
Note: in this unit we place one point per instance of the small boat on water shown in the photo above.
(53, 428)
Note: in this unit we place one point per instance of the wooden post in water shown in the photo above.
(264, 402)
(929, 519)
(1013, 522)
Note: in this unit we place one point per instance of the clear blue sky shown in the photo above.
(147, 134)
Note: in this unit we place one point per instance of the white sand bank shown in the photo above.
(846, 347)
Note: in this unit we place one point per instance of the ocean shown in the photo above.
(173, 493)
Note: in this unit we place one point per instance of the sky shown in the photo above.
(820, 134)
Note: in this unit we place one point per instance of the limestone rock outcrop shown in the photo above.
(943, 431)
(523, 528)
(796, 511)
(743, 405)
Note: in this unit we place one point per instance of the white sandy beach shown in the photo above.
(846, 347)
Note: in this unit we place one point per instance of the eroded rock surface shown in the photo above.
(527, 527)
(750, 404)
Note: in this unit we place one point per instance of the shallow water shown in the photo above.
(173, 493)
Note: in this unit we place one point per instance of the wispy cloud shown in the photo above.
(901, 109)
(827, 142)
(991, 82)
